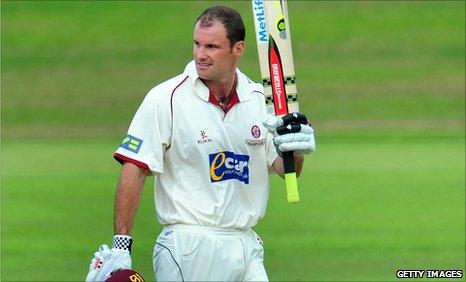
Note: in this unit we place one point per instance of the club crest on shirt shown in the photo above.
(204, 138)
(256, 133)
(228, 165)
(131, 143)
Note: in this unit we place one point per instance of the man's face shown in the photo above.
(215, 60)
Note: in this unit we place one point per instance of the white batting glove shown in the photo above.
(108, 260)
(291, 132)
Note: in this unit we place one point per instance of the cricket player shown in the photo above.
(206, 137)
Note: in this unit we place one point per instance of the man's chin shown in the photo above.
(202, 74)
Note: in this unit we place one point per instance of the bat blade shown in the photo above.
(276, 79)
(277, 71)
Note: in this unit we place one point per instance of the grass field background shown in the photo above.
(383, 83)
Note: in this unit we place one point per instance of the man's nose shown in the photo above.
(200, 53)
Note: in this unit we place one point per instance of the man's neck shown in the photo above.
(222, 90)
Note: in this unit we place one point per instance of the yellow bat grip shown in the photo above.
(292, 193)
(290, 178)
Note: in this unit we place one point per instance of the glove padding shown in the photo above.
(106, 261)
(291, 132)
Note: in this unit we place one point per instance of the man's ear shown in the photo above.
(238, 48)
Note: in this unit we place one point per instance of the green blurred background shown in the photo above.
(383, 83)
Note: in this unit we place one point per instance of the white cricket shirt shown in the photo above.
(212, 167)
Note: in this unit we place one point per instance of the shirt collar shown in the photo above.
(233, 100)
(242, 87)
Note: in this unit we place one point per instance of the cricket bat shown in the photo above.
(277, 70)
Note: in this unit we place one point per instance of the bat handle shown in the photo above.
(292, 193)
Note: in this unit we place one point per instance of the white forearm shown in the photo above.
(128, 197)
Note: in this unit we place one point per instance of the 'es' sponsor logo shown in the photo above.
(228, 165)
(204, 138)
(131, 143)
(136, 278)
(259, 21)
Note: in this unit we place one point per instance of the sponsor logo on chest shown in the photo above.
(228, 165)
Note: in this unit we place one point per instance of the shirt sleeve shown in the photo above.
(271, 153)
(148, 135)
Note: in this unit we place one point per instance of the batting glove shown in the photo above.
(292, 132)
(108, 260)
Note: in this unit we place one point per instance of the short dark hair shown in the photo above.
(229, 17)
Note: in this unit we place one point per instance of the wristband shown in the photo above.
(122, 242)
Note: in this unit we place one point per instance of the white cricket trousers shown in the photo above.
(197, 253)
